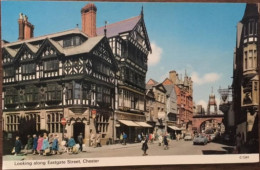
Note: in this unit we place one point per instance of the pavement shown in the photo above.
(134, 149)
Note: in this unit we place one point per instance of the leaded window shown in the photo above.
(29, 68)
(9, 72)
(72, 41)
(31, 94)
(77, 88)
(51, 65)
(54, 92)
(12, 122)
(53, 122)
(11, 96)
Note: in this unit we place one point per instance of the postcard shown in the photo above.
(95, 84)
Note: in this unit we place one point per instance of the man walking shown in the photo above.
(80, 140)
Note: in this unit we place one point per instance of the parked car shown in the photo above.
(200, 139)
(212, 137)
(187, 137)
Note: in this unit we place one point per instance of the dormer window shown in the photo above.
(72, 41)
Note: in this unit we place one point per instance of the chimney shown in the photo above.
(25, 28)
(172, 76)
(28, 29)
(88, 18)
(21, 27)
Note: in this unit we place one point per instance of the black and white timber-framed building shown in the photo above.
(94, 78)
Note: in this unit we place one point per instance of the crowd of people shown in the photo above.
(48, 144)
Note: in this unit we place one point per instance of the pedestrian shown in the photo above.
(65, 143)
(165, 142)
(93, 139)
(144, 146)
(160, 140)
(124, 138)
(71, 144)
(121, 138)
(98, 139)
(150, 138)
(39, 144)
(55, 144)
(80, 140)
(17, 145)
(35, 141)
(50, 139)
(45, 146)
(29, 143)
(238, 143)
(139, 137)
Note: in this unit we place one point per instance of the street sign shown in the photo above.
(63, 121)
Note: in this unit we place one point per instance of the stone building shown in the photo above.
(157, 109)
(246, 75)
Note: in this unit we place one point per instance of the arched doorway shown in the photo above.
(78, 128)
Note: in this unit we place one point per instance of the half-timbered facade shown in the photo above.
(130, 45)
(61, 75)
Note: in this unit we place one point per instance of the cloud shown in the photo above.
(203, 103)
(156, 55)
(206, 78)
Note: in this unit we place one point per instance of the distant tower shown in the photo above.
(212, 104)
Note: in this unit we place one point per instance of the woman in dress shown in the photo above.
(40, 144)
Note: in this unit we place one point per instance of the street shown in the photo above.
(117, 150)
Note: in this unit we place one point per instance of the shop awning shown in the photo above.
(143, 124)
(128, 123)
(174, 127)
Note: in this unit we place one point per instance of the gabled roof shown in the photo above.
(151, 83)
(58, 34)
(167, 81)
(10, 51)
(160, 85)
(250, 11)
(169, 88)
(32, 48)
(119, 27)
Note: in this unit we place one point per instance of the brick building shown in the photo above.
(184, 92)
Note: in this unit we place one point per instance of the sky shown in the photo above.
(197, 37)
